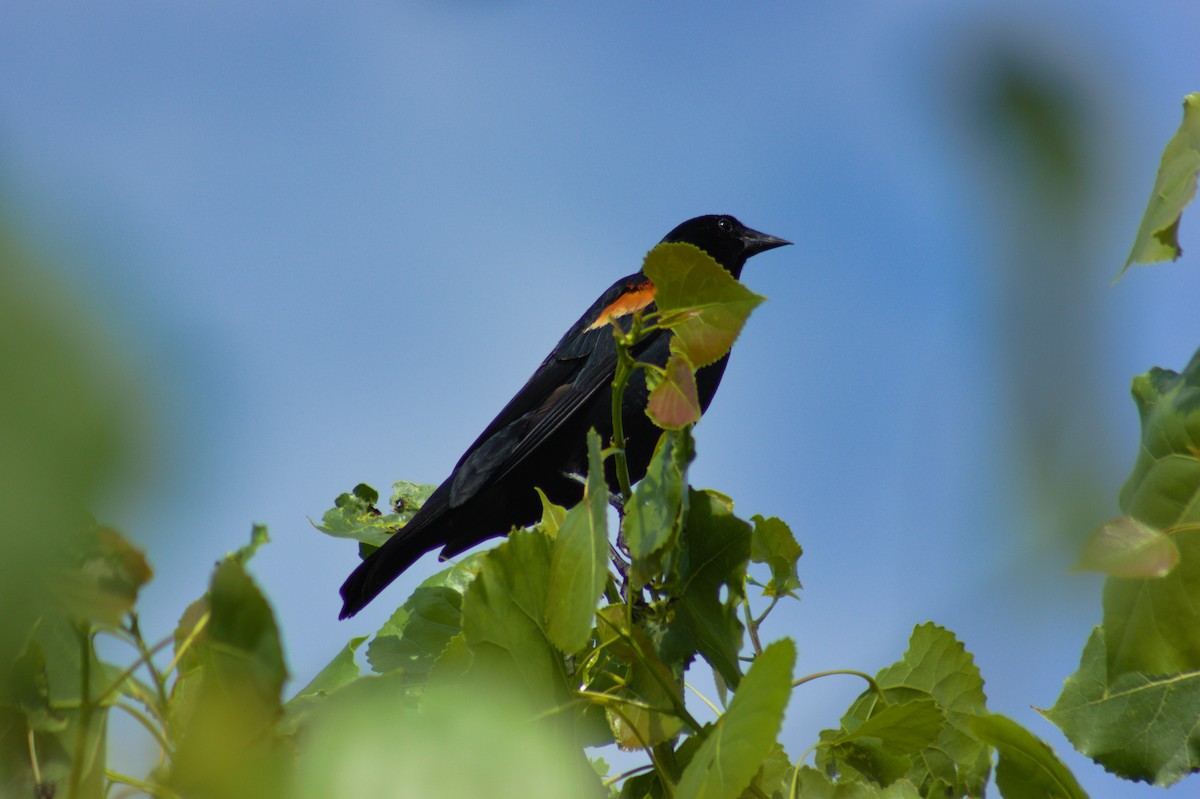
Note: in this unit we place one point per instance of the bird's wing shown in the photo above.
(579, 366)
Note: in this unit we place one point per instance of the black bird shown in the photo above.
(539, 439)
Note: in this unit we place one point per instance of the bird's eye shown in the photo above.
(724, 225)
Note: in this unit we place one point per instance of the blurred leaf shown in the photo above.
(1136, 726)
(816, 784)
(355, 516)
(699, 300)
(338, 673)
(417, 633)
(105, 583)
(714, 553)
(469, 740)
(579, 564)
(652, 514)
(68, 409)
(1174, 188)
(674, 401)
(1027, 767)
(772, 543)
(936, 666)
(1124, 547)
(738, 744)
(1153, 626)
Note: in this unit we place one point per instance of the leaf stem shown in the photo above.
(160, 683)
(611, 781)
(149, 788)
(870, 680)
(127, 673)
(703, 698)
(664, 777)
(187, 642)
(85, 710)
(624, 371)
(147, 722)
(33, 760)
(751, 626)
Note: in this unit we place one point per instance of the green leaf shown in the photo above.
(699, 300)
(110, 572)
(579, 566)
(936, 666)
(552, 515)
(1027, 767)
(774, 777)
(714, 552)
(652, 515)
(772, 543)
(739, 743)
(503, 618)
(1124, 547)
(26, 688)
(227, 745)
(1136, 726)
(1174, 188)
(355, 516)
(420, 629)
(674, 401)
(338, 673)
(1153, 625)
(900, 729)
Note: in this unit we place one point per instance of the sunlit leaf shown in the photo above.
(698, 299)
(552, 515)
(354, 514)
(738, 744)
(579, 565)
(1174, 188)
(772, 543)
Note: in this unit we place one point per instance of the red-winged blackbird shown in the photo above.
(539, 439)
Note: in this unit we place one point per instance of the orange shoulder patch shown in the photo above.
(637, 297)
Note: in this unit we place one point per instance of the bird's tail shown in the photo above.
(377, 572)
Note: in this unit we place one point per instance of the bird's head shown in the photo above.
(727, 240)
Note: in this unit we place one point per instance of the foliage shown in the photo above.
(504, 669)
(1158, 236)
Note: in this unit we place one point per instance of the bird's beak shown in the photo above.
(754, 242)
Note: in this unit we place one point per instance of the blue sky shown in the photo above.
(334, 241)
